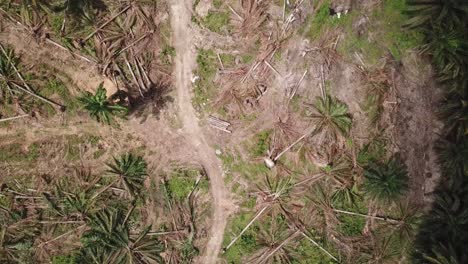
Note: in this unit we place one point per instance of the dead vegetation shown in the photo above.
(124, 45)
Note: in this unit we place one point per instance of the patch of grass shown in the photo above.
(249, 170)
(262, 142)
(11, 153)
(397, 39)
(204, 88)
(217, 3)
(182, 182)
(385, 34)
(296, 103)
(248, 117)
(217, 21)
(321, 20)
(73, 143)
(311, 254)
(167, 55)
(98, 153)
(33, 152)
(247, 58)
(249, 203)
(56, 87)
(227, 59)
(93, 140)
(351, 225)
(56, 21)
(15, 153)
(246, 243)
(64, 259)
(370, 50)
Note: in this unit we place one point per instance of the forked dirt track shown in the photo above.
(185, 62)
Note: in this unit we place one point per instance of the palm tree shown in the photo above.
(408, 222)
(385, 182)
(276, 241)
(331, 118)
(110, 241)
(454, 110)
(449, 52)
(445, 254)
(99, 107)
(79, 11)
(131, 171)
(18, 231)
(450, 13)
(452, 156)
(275, 192)
(448, 217)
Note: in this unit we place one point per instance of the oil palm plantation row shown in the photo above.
(443, 232)
(91, 218)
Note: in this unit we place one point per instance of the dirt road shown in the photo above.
(184, 64)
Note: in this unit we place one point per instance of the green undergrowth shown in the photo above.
(312, 254)
(246, 243)
(16, 152)
(205, 88)
(249, 169)
(227, 59)
(53, 88)
(69, 146)
(182, 182)
(351, 225)
(217, 21)
(321, 20)
(383, 34)
(167, 55)
(260, 144)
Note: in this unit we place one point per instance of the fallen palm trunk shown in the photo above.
(271, 162)
(134, 77)
(61, 107)
(391, 220)
(13, 118)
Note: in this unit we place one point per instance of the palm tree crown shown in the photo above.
(132, 171)
(448, 12)
(385, 183)
(331, 117)
(110, 241)
(99, 106)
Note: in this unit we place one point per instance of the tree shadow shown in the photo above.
(147, 103)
